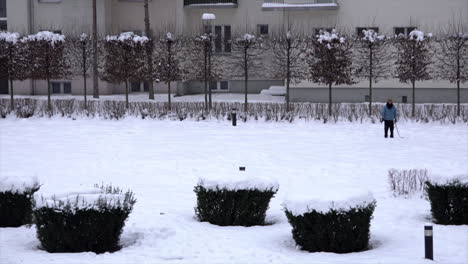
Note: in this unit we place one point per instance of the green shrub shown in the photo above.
(449, 202)
(233, 207)
(339, 231)
(16, 203)
(85, 222)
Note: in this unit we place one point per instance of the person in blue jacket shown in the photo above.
(389, 116)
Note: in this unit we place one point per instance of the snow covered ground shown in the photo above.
(161, 162)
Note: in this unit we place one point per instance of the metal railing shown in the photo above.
(209, 2)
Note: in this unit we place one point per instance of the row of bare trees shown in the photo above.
(327, 58)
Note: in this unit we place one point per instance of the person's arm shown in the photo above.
(396, 114)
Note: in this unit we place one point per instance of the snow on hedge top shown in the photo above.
(46, 36)
(329, 37)
(372, 36)
(9, 37)
(18, 184)
(207, 16)
(242, 180)
(440, 180)
(301, 205)
(248, 37)
(419, 35)
(125, 36)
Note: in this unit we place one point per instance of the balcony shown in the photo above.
(210, 3)
(280, 5)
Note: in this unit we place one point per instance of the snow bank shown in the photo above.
(18, 184)
(300, 206)
(9, 37)
(127, 36)
(441, 180)
(241, 180)
(45, 36)
(274, 90)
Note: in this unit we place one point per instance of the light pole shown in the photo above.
(208, 28)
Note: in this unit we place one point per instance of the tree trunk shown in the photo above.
(370, 81)
(169, 95)
(49, 103)
(169, 77)
(246, 81)
(288, 74)
(149, 51)
(329, 99)
(458, 80)
(209, 76)
(95, 54)
(84, 76)
(413, 104)
(12, 102)
(206, 77)
(126, 94)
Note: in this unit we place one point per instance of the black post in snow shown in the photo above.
(428, 243)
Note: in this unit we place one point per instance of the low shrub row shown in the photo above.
(407, 182)
(115, 109)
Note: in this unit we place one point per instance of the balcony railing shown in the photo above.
(300, 5)
(210, 3)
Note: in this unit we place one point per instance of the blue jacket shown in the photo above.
(389, 114)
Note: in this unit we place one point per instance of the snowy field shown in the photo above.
(161, 162)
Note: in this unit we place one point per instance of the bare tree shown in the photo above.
(372, 58)
(125, 59)
(79, 52)
(330, 61)
(95, 54)
(452, 57)
(246, 58)
(288, 59)
(168, 67)
(413, 60)
(201, 66)
(46, 54)
(13, 64)
(149, 51)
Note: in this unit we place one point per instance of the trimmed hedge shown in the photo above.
(449, 202)
(70, 227)
(232, 208)
(336, 231)
(16, 207)
(268, 111)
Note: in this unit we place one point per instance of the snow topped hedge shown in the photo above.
(299, 206)
(326, 36)
(372, 36)
(45, 36)
(127, 36)
(9, 37)
(18, 185)
(99, 198)
(441, 180)
(238, 181)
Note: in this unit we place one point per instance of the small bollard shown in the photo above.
(428, 243)
(241, 168)
(234, 117)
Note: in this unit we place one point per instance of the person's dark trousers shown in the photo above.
(389, 124)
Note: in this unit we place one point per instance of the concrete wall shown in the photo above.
(356, 95)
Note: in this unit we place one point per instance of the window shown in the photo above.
(366, 98)
(359, 30)
(403, 30)
(135, 86)
(3, 86)
(3, 10)
(146, 87)
(61, 87)
(404, 99)
(3, 25)
(221, 38)
(219, 86)
(50, 1)
(262, 30)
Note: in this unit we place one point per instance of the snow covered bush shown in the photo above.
(449, 200)
(407, 182)
(85, 221)
(239, 202)
(339, 226)
(16, 201)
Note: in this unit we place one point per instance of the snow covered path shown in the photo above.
(162, 160)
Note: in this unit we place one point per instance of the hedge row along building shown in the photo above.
(263, 18)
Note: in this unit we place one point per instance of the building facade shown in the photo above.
(233, 17)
